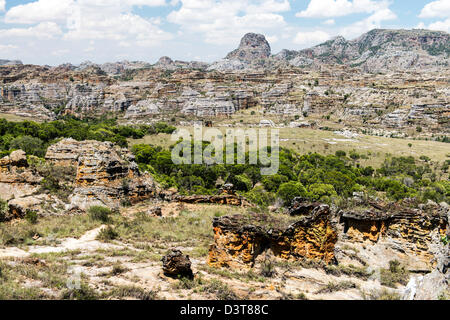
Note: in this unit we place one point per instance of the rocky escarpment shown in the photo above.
(252, 47)
(239, 240)
(317, 232)
(105, 174)
(253, 52)
(379, 51)
(20, 186)
(9, 62)
(16, 178)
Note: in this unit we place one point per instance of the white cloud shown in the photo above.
(311, 38)
(89, 19)
(372, 22)
(226, 21)
(61, 10)
(437, 26)
(40, 11)
(436, 9)
(339, 8)
(101, 26)
(2, 5)
(44, 30)
(7, 47)
(329, 22)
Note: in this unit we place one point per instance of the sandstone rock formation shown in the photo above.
(16, 178)
(177, 265)
(379, 51)
(239, 240)
(253, 46)
(105, 174)
(321, 233)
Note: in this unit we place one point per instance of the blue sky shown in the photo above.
(59, 31)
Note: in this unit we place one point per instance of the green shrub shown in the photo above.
(395, 274)
(82, 293)
(31, 216)
(242, 182)
(107, 234)
(99, 213)
(31, 145)
(321, 191)
(290, 190)
(3, 210)
(260, 197)
(341, 153)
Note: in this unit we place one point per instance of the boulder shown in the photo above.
(177, 265)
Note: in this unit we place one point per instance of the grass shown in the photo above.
(394, 275)
(219, 289)
(381, 295)
(324, 142)
(349, 270)
(135, 292)
(334, 287)
(107, 234)
(15, 118)
(21, 232)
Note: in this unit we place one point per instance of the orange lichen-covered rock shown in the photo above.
(235, 245)
(414, 234)
(237, 242)
(313, 237)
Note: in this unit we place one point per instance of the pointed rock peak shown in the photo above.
(164, 61)
(253, 46)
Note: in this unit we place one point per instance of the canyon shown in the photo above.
(159, 242)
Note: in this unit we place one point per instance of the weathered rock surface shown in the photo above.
(105, 174)
(253, 46)
(381, 234)
(9, 62)
(239, 240)
(177, 265)
(379, 51)
(16, 178)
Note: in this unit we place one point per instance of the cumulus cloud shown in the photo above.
(436, 9)
(61, 10)
(39, 11)
(437, 26)
(310, 38)
(225, 21)
(372, 22)
(44, 30)
(2, 5)
(88, 19)
(339, 8)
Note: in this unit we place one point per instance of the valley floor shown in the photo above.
(45, 260)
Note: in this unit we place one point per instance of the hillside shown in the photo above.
(378, 51)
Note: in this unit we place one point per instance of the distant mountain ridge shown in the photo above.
(378, 50)
(9, 62)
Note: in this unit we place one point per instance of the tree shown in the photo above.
(318, 191)
(31, 145)
(289, 190)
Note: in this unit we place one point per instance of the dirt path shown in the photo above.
(86, 243)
